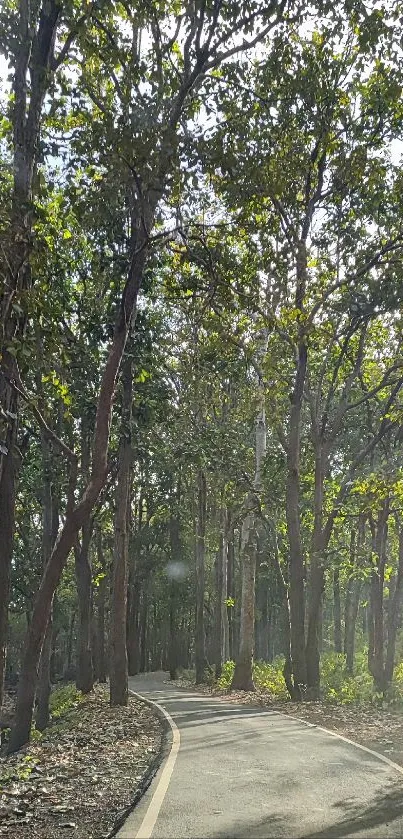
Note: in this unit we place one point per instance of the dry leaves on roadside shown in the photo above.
(82, 774)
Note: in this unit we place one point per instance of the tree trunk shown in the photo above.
(85, 670)
(394, 616)
(101, 598)
(176, 559)
(143, 628)
(243, 675)
(221, 620)
(50, 522)
(231, 591)
(76, 516)
(296, 558)
(352, 601)
(316, 578)
(133, 635)
(118, 671)
(7, 524)
(337, 612)
(376, 615)
(44, 682)
(69, 647)
(200, 656)
(173, 633)
(15, 254)
(83, 570)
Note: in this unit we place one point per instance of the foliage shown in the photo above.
(63, 700)
(337, 687)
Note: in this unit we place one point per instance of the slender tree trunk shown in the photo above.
(224, 597)
(85, 670)
(133, 634)
(7, 524)
(337, 612)
(176, 557)
(231, 591)
(173, 632)
(44, 682)
(243, 676)
(316, 578)
(201, 662)
(352, 602)
(143, 628)
(118, 671)
(243, 673)
(49, 530)
(296, 557)
(101, 599)
(83, 570)
(394, 616)
(221, 619)
(376, 617)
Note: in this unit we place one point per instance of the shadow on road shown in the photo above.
(387, 806)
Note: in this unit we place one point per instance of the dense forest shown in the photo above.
(201, 368)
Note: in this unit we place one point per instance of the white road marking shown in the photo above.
(147, 825)
(345, 740)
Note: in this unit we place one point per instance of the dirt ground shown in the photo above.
(83, 773)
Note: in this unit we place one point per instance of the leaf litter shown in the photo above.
(82, 774)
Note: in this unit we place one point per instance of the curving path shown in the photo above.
(248, 773)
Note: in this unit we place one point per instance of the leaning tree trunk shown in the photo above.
(118, 672)
(76, 516)
(243, 673)
(200, 654)
(34, 54)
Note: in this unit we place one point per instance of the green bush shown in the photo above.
(63, 699)
(267, 677)
(337, 686)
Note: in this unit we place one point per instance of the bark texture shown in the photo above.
(118, 671)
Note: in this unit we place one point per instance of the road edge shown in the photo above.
(156, 763)
(372, 752)
(226, 698)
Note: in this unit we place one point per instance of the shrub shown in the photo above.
(63, 699)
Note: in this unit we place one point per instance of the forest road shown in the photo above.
(248, 773)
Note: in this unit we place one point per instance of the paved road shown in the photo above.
(246, 773)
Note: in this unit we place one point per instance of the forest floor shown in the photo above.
(83, 773)
(374, 727)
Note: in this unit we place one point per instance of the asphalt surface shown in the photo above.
(248, 773)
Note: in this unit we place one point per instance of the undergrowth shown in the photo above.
(336, 685)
